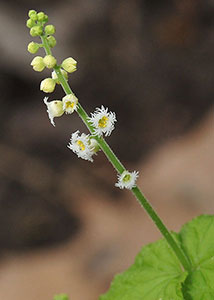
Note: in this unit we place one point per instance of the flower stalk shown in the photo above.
(113, 158)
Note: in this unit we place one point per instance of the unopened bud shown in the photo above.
(30, 23)
(38, 64)
(41, 16)
(49, 61)
(50, 29)
(47, 85)
(51, 41)
(31, 12)
(33, 47)
(36, 30)
(55, 77)
(32, 15)
(69, 65)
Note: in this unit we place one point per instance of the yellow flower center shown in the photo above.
(103, 122)
(127, 178)
(81, 145)
(69, 104)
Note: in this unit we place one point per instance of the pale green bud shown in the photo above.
(49, 61)
(38, 64)
(36, 30)
(32, 15)
(55, 77)
(54, 109)
(47, 85)
(49, 29)
(31, 12)
(30, 23)
(69, 65)
(33, 47)
(51, 41)
(41, 16)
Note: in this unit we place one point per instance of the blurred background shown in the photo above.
(64, 227)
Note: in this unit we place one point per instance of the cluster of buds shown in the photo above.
(37, 24)
(102, 121)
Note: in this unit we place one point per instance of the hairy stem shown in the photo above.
(120, 169)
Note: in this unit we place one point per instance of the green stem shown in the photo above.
(165, 232)
(120, 169)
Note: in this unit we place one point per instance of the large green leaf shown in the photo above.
(155, 275)
(197, 239)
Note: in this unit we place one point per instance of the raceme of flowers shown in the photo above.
(102, 120)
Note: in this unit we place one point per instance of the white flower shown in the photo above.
(103, 121)
(54, 109)
(127, 180)
(80, 144)
(69, 103)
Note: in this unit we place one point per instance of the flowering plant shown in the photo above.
(180, 266)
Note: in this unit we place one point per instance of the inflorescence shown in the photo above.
(101, 121)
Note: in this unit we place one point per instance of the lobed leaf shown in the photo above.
(197, 239)
(157, 275)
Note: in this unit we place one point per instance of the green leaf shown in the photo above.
(197, 238)
(155, 275)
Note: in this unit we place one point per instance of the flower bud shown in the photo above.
(51, 41)
(36, 30)
(55, 77)
(54, 109)
(30, 23)
(49, 29)
(40, 16)
(31, 12)
(49, 61)
(38, 64)
(47, 85)
(69, 65)
(32, 15)
(33, 47)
